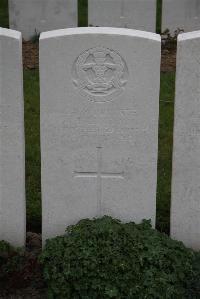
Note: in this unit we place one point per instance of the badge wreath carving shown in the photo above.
(100, 74)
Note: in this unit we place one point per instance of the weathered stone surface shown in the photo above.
(99, 125)
(12, 166)
(185, 209)
(136, 14)
(32, 17)
(182, 14)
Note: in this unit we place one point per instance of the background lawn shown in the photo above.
(31, 94)
(4, 13)
(159, 16)
(32, 131)
(165, 150)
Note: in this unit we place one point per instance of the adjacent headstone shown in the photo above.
(180, 14)
(185, 209)
(99, 125)
(12, 165)
(32, 17)
(136, 14)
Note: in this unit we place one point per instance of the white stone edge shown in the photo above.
(188, 36)
(100, 30)
(10, 33)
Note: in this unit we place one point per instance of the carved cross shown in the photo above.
(122, 16)
(99, 175)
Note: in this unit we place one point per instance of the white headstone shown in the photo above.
(32, 17)
(182, 14)
(12, 165)
(185, 209)
(136, 14)
(99, 125)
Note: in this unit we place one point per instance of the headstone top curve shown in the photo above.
(10, 33)
(189, 35)
(100, 30)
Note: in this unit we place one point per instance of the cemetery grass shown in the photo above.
(32, 134)
(159, 16)
(166, 120)
(82, 13)
(4, 13)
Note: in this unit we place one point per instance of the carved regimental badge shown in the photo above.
(100, 74)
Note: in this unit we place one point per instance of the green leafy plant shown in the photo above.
(103, 258)
(10, 261)
(18, 268)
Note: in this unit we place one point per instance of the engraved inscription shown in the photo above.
(99, 175)
(100, 74)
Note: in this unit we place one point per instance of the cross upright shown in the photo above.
(99, 174)
(122, 15)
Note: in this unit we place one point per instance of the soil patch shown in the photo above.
(168, 61)
(30, 55)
